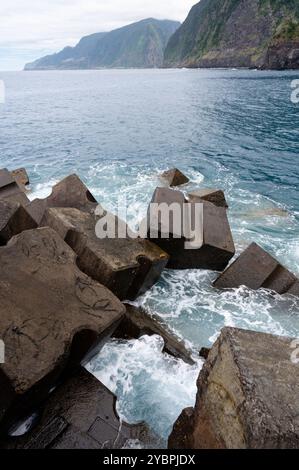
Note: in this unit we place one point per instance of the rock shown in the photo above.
(256, 269)
(294, 290)
(70, 192)
(248, 396)
(51, 315)
(213, 247)
(182, 430)
(80, 414)
(128, 267)
(10, 189)
(21, 176)
(137, 322)
(204, 353)
(174, 177)
(215, 196)
(14, 219)
(283, 55)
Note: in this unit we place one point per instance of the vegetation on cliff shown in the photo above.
(225, 33)
(140, 44)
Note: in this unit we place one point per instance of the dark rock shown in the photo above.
(128, 267)
(51, 315)
(70, 192)
(182, 429)
(256, 269)
(294, 290)
(80, 414)
(214, 246)
(5, 178)
(204, 353)
(248, 396)
(282, 56)
(10, 189)
(137, 322)
(174, 177)
(21, 176)
(215, 196)
(14, 219)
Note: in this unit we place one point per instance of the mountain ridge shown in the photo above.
(136, 45)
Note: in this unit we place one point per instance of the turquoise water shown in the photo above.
(118, 130)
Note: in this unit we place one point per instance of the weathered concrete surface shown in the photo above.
(70, 192)
(137, 322)
(174, 177)
(21, 176)
(80, 414)
(215, 196)
(256, 269)
(248, 396)
(215, 246)
(14, 219)
(128, 267)
(10, 189)
(50, 314)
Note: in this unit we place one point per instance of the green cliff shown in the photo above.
(237, 33)
(138, 45)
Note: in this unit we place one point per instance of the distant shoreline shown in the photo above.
(158, 68)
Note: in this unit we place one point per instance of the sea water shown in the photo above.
(118, 129)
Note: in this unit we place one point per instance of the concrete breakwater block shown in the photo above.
(51, 314)
(10, 189)
(248, 396)
(137, 322)
(81, 414)
(255, 268)
(70, 192)
(21, 176)
(174, 177)
(14, 219)
(215, 196)
(214, 246)
(128, 267)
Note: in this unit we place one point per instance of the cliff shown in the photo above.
(139, 45)
(237, 33)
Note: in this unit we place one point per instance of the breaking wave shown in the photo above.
(145, 379)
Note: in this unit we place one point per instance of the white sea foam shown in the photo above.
(42, 190)
(152, 386)
(197, 311)
(133, 444)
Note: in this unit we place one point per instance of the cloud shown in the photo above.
(49, 25)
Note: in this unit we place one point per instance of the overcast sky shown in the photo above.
(33, 28)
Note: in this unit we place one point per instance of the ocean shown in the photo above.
(118, 129)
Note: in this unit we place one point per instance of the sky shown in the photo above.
(33, 28)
